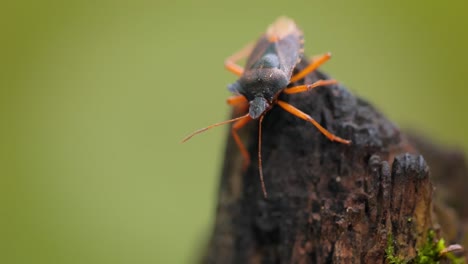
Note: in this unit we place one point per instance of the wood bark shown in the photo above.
(333, 203)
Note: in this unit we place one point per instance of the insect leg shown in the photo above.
(231, 62)
(240, 104)
(293, 110)
(308, 87)
(311, 67)
(238, 125)
(236, 99)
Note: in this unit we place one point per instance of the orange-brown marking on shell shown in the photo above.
(273, 38)
(282, 27)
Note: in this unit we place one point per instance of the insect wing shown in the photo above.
(289, 43)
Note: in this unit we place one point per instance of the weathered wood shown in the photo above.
(328, 202)
(449, 172)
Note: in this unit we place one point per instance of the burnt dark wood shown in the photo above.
(328, 202)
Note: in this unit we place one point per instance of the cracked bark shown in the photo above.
(332, 203)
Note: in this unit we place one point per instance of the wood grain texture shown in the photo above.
(328, 202)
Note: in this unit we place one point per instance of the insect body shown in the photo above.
(269, 67)
(267, 74)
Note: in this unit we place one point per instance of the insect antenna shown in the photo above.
(214, 125)
(260, 169)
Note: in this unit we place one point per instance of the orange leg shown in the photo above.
(238, 125)
(311, 67)
(305, 88)
(236, 100)
(231, 63)
(293, 110)
(240, 104)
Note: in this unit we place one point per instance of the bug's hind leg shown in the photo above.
(316, 62)
(308, 87)
(293, 110)
(231, 62)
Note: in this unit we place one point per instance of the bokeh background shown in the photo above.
(95, 97)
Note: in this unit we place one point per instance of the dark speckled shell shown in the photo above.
(271, 63)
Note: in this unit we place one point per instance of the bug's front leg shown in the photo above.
(236, 100)
(241, 105)
(238, 125)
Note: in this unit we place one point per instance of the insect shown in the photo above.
(267, 74)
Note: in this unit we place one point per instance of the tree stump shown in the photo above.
(328, 202)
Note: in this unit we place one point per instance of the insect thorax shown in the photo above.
(266, 83)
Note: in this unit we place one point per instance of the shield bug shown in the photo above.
(267, 74)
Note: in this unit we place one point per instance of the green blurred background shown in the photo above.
(95, 97)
